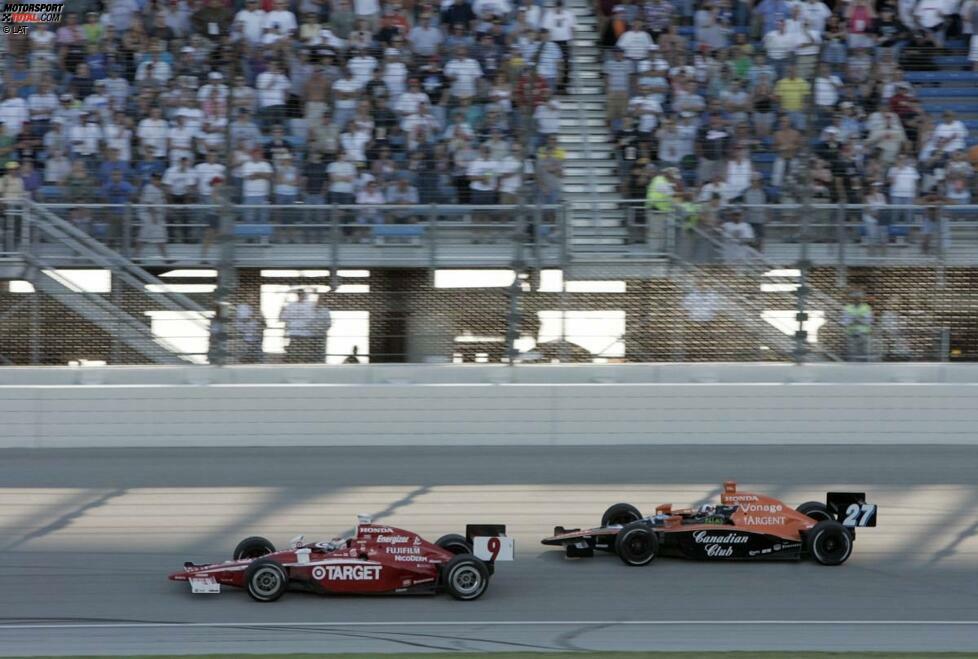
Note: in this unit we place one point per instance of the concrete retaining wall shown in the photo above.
(445, 405)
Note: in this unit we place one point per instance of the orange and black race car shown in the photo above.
(743, 526)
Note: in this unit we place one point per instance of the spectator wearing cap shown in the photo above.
(737, 237)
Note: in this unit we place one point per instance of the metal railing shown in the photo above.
(838, 234)
(431, 228)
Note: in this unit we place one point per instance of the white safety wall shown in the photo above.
(439, 406)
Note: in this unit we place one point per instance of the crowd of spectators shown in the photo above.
(286, 101)
(723, 103)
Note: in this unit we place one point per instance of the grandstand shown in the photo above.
(708, 181)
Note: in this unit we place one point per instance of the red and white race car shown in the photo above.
(375, 559)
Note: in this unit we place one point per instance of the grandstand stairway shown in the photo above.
(139, 288)
(590, 174)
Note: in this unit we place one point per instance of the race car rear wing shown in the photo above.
(850, 509)
(489, 542)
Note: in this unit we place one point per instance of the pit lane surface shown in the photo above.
(88, 537)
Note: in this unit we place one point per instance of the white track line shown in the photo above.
(482, 623)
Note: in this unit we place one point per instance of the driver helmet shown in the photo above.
(707, 509)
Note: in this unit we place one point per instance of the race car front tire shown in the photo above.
(829, 543)
(465, 577)
(620, 514)
(455, 543)
(636, 544)
(815, 509)
(266, 580)
(253, 547)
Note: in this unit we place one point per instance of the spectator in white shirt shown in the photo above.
(154, 69)
(816, 13)
(180, 139)
(152, 131)
(779, 45)
(952, 130)
(482, 173)
(206, 172)
(635, 42)
(86, 137)
(252, 21)
(464, 73)
(280, 19)
(547, 116)
(345, 91)
(827, 86)
(256, 175)
(299, 318)
(272, 86)
(180, 183)
(559, 23)
(904, 179)
(425, 38)
(342, 174)
(511, 175)
(13, 112)
(737, 237)
(739, 173)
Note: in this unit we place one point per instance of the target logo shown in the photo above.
(318, 572)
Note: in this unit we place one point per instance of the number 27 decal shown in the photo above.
(859, 514)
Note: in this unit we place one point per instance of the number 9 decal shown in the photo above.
(495, 548)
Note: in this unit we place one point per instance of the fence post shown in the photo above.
(334, 247)
(127, 230)
(840, 228)
(433, 239)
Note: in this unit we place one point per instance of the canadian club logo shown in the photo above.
(718, 544)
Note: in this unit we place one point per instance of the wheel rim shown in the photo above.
(637, 546)
(466, 580)
(832, 548)
(266, 581)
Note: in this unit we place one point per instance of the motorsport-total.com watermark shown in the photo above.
(17, 17)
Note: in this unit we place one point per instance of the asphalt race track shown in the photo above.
(89, 536)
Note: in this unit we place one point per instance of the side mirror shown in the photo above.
(296, 542)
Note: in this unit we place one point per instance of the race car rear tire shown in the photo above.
(455, 543)
(253, 547)
(266, 580)
(620, 514)
(829, 543)
(465, 577)
(815, 509)
(636, 544)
